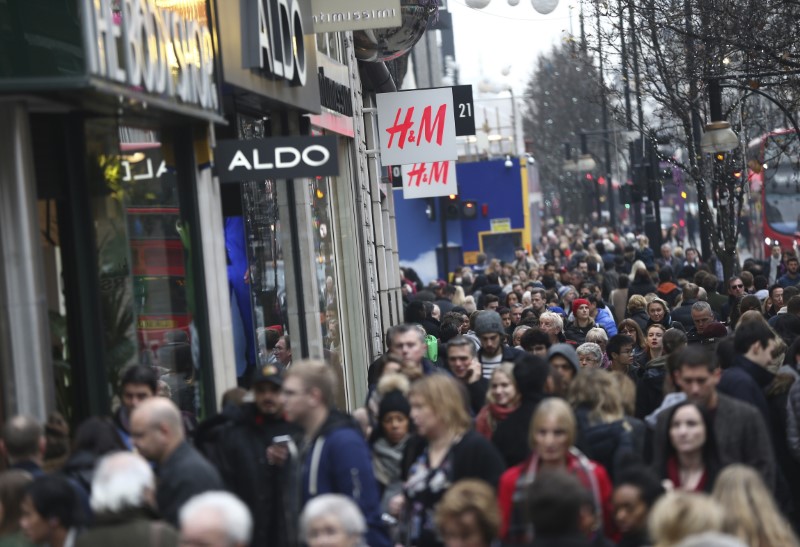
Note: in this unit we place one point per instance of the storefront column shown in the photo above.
(302, 294)
(24, 331)
(386, 318)
(218, 300)
(394, 259)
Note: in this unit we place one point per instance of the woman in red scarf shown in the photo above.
(691, 461)
(503, 399)
(551, 436)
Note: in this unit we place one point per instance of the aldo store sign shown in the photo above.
(163, 51)
(269, 51)
(276, 158)
(276, 47)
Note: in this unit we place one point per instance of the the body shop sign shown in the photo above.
(149, 48)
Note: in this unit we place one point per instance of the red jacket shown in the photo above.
(508, 484)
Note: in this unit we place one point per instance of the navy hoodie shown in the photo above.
(337, 461)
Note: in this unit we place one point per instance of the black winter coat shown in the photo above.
(511, 435)
(683, 314)
(613, 445)
(248, 475)
(185, 474)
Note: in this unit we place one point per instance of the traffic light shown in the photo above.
(469, 209)
(452, 207)
(625, 194)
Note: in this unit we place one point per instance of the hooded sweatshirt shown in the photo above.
(337, 461)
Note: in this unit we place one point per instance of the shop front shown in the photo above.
(299, 266)
(109, 208)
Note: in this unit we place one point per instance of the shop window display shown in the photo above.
(144, 251)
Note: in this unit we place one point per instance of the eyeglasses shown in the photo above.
(739, 286)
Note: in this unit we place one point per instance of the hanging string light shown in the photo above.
(542, 6)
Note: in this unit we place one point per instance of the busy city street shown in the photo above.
(399, 273)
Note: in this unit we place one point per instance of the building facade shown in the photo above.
(120, 245)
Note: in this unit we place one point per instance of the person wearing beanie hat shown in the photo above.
(491, 333)
(581, 324)
(389, 440)
(564, 360)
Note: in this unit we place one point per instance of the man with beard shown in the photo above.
(245, 469)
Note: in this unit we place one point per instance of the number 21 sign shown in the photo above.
(420, 126)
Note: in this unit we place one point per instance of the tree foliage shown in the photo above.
(748, 46)
(561, 100)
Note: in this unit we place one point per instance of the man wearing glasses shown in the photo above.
(730, 312)
(620, 350)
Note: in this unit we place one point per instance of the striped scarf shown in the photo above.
(520, 530)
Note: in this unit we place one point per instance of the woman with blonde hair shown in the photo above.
(468, 515)
(604, 434)
(552, 435)
(450, 451)
(502, 399)
(750, 510)
(637, 310)
(679, 515)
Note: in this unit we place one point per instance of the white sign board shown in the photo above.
(417, 126)
(342, 15)
(429, 180)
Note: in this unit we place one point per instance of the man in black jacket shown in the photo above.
(158, 434)
(463, 363)
(683, 313)
(245, 469)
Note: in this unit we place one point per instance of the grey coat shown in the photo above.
(742, 437)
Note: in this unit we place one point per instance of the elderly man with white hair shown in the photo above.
(123, 496)
(215, 519)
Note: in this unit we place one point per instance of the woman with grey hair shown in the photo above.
(589, 355)
(599, 336)
(332, 520)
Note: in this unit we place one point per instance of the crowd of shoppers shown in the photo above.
(585, 394)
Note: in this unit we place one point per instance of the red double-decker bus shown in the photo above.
(773, 162)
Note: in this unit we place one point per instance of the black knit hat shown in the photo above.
(394, 401)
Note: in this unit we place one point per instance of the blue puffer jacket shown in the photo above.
(606, 320)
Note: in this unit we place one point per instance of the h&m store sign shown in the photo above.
(163, 51)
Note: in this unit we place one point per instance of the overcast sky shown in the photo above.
(501, 35)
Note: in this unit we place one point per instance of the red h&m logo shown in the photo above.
(417, 126)
(421, 174)
(427, 127)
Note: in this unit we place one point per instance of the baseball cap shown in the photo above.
(268, 373)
